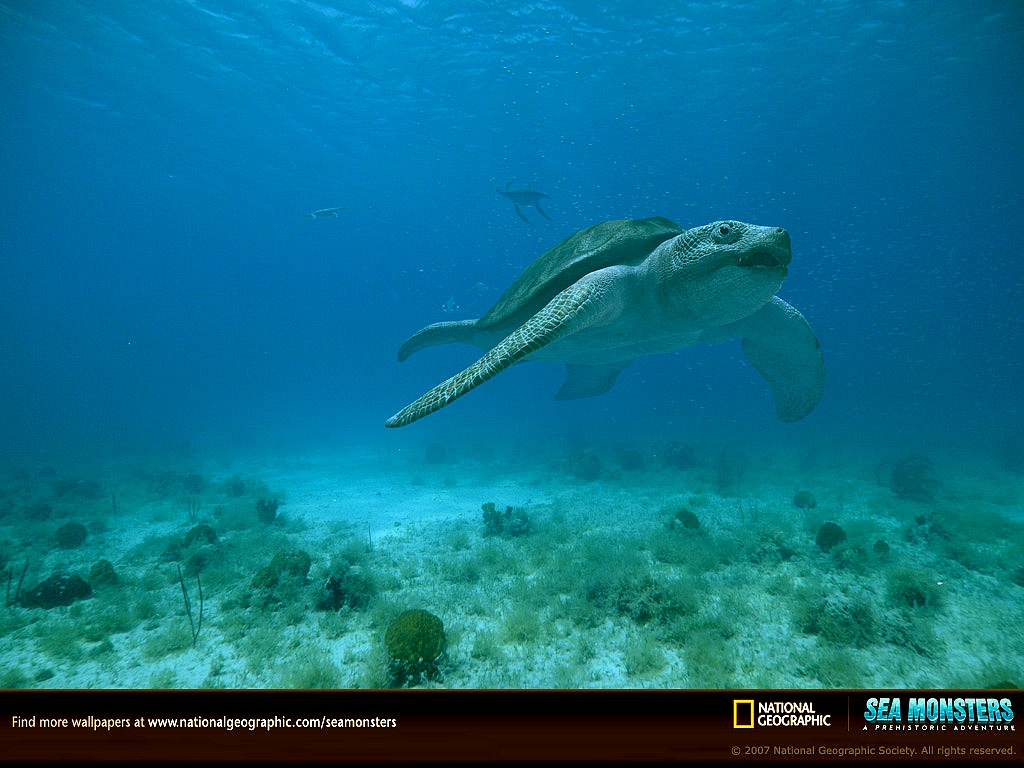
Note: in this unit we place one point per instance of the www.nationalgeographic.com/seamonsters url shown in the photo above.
(227, 723)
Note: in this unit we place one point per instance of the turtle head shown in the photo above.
(721, 272)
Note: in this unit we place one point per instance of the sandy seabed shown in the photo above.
(668, 568)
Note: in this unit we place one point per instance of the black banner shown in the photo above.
(596, 726)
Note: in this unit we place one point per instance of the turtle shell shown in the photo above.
(624, 241)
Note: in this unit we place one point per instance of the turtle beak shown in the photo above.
(772, 250)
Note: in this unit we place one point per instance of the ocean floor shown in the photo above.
(668, 567)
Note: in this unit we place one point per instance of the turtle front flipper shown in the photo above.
(784, 349)
(577, 307)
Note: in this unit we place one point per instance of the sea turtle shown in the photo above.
(622, 289)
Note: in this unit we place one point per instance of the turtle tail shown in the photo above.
(460, 331)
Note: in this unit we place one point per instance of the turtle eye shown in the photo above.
(723, 232)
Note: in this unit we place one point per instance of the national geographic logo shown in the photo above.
(777, 714)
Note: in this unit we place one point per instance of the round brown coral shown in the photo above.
(830, 535)
(415, 643)
(804, 500)
(102, 574)
(70, 535)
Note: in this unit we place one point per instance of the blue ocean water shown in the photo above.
(161, 286)
(183, 346)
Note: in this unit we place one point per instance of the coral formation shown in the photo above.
(352, 588)
(830, 535)
(416, 643)
(200, 534)
(294, 563)
(235, 487)
(266, 510)
(684, 518)
(587, 467)
(804, 500)
(679, 456)
(102, 574)
(70, 535)
(195, 549)
(910, 478)
(512, 521)
(57, 590)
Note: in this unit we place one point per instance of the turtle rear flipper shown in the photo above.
(571, 310)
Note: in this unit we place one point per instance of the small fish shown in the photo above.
(323, 213)
(450, 305)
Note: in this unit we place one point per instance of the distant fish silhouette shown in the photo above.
(454, 303)
(323, 213)
(520, 197)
